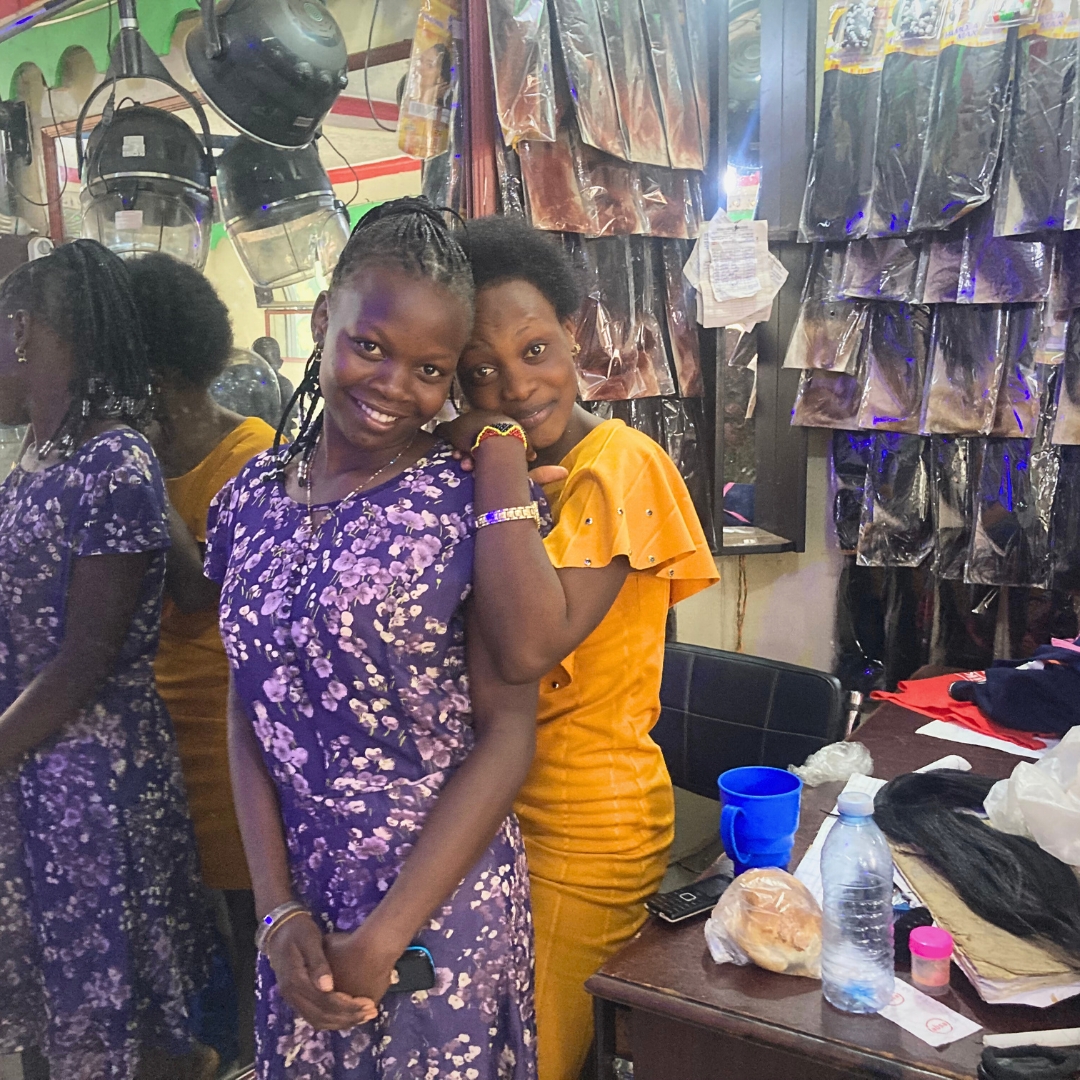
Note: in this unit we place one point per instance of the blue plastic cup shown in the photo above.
(759, 816)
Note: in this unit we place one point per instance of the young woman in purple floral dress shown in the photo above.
(375, 752)
(103, 933)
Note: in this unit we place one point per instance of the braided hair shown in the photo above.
(409, 234)
(83, 293)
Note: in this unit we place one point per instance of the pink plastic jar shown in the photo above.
(931, 953)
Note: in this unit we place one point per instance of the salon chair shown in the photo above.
(720, 710)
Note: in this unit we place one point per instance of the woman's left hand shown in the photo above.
(361, 967)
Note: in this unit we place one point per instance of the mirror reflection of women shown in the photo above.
(104, 937)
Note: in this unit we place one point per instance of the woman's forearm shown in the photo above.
(258, 812)
(185, 583)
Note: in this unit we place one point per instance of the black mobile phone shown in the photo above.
(414, 971)
(681, 904)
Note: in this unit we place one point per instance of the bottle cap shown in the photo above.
(931, 943)
(855, 804)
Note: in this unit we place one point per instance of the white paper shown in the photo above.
(926, 1018)
(733, 259)
(957, 733)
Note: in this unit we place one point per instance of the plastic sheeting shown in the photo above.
(884, 270)
(967, 114)
(1038, 139)
(827, 335)
(955, 461)
(697, 30)
(851, 451)
(896, 527)
(999, 270)
(837, 201)
(827, 399)
(520, 33)
(1067, 422)
(943, 262)
(967, 358)
(894, 364)
(1017, 412)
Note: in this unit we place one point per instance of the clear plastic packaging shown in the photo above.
(1067, 420)
(425, 115)
(520, 33)
(967, 114)
(1065, 286)
(897, 343)
(649, 315)
(1065, 524)
(827, 335)
(837, 201)
(681, 325)
(851, 453)
(896, 528)
(835, 763)
(944, 258)
(697, 30)
(1001, 270)
(955, 462)
(552, 177)
(664, 202)
(443, 177)
(1031, 191)
(1050, 348)
(967, 357)
(769, 918)
(1017, 412)
(611, 189)
(884, 270)
(511, 187)
(827, 399)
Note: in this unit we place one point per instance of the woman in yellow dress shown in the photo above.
(201, 446)
(585, 608)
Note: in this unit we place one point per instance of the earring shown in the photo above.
(20, 354)
(576, 350)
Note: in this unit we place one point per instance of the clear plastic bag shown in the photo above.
(1017, 412)
(663, 204)
(837, 201)
(511, 187)
(1031, 191)
(649, 314)
(1050, 348)
(552, 177)
(955, 461)
(769, 918)
(827, 335)
(611, 188)
(1041, 800)
(944, 258)
(1001, 270)
(851, 453)
(896, 528)
(1065, 525)
(827, 399)
(967, 113)
(967, 356)
(1065, 286)
(896, 345)
(697, 29)
(425, 114)
(884, 270)
(1067, 420)
(681, 325)
(520, 34)
(825, 277)
(834, 764)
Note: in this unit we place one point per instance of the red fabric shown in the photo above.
(930, 697)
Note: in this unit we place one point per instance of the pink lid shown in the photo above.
(931, 943)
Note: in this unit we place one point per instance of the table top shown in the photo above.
(668, 969)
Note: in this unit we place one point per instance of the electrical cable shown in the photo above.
(348, 165)
(367, 88)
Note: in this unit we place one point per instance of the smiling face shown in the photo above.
(391, 342)
(520, 361)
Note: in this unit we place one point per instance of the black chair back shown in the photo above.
(720, 710)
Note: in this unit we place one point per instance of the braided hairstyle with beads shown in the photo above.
(408, 234)
(83, 293)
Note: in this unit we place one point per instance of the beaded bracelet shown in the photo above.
(510, 513)
(502, 428)
(274, 920)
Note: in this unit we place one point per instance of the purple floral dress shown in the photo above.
(347, 645)
(103, 932)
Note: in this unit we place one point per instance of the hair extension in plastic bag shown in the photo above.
(511, 189)
(1007, 880)
(827, 399)
(1001, 270)
(1050, 348)
(521, 56)
(681, 324)
(896, 529)
(611, 187)
(884, 270)
(967, 114)
(944, 257)
(1017, 411)
(967, 356)
(1065, 524)
(1065, 282)
(666, 28)
(1031, 191)
(895, 348)
(955, 461)
(698, 32)
(825, 276)
(1067, 420)
(837, 201)
(649, 316)
(851, 453)
(683, 427)
(442, 178)
(663, 202)
(827, 335)
(552, 175)
(424, 126)
(907, 80)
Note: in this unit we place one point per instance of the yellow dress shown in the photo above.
(193, 675)
(597, 810)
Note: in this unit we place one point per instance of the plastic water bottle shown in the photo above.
(857, 931)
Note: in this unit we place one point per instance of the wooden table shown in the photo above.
(692, 1019)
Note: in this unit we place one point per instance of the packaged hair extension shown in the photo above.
(663, 202)
(649, 313)
(698, 32)
(552, 175)
(851, 453)
(666, 28)
(581, 37)
(1065, 281)
(1001, 270)
(944, 257)
(1017, 411)
(1065, 523)
(681, 325)
(1050, 348)
(424, 126)
(955, 462)
(895, 348)
(827, 399)
(837, 201)
(827, 335)
(611, 189)
(443, 176)
(683, 428)
(884, 270)
(511, 188)
(825, 277)
(912, 44)
(521, 56)
(967, 357)
(896, 527)
(636, 94)
(1067, 421)
(1030, 196)
(967, 112)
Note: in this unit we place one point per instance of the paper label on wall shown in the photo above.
(133, 146)
(926, 1018)
(733, 260)
(128, 219)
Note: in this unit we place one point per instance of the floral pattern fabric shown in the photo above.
(103, 932)
(347, 643)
